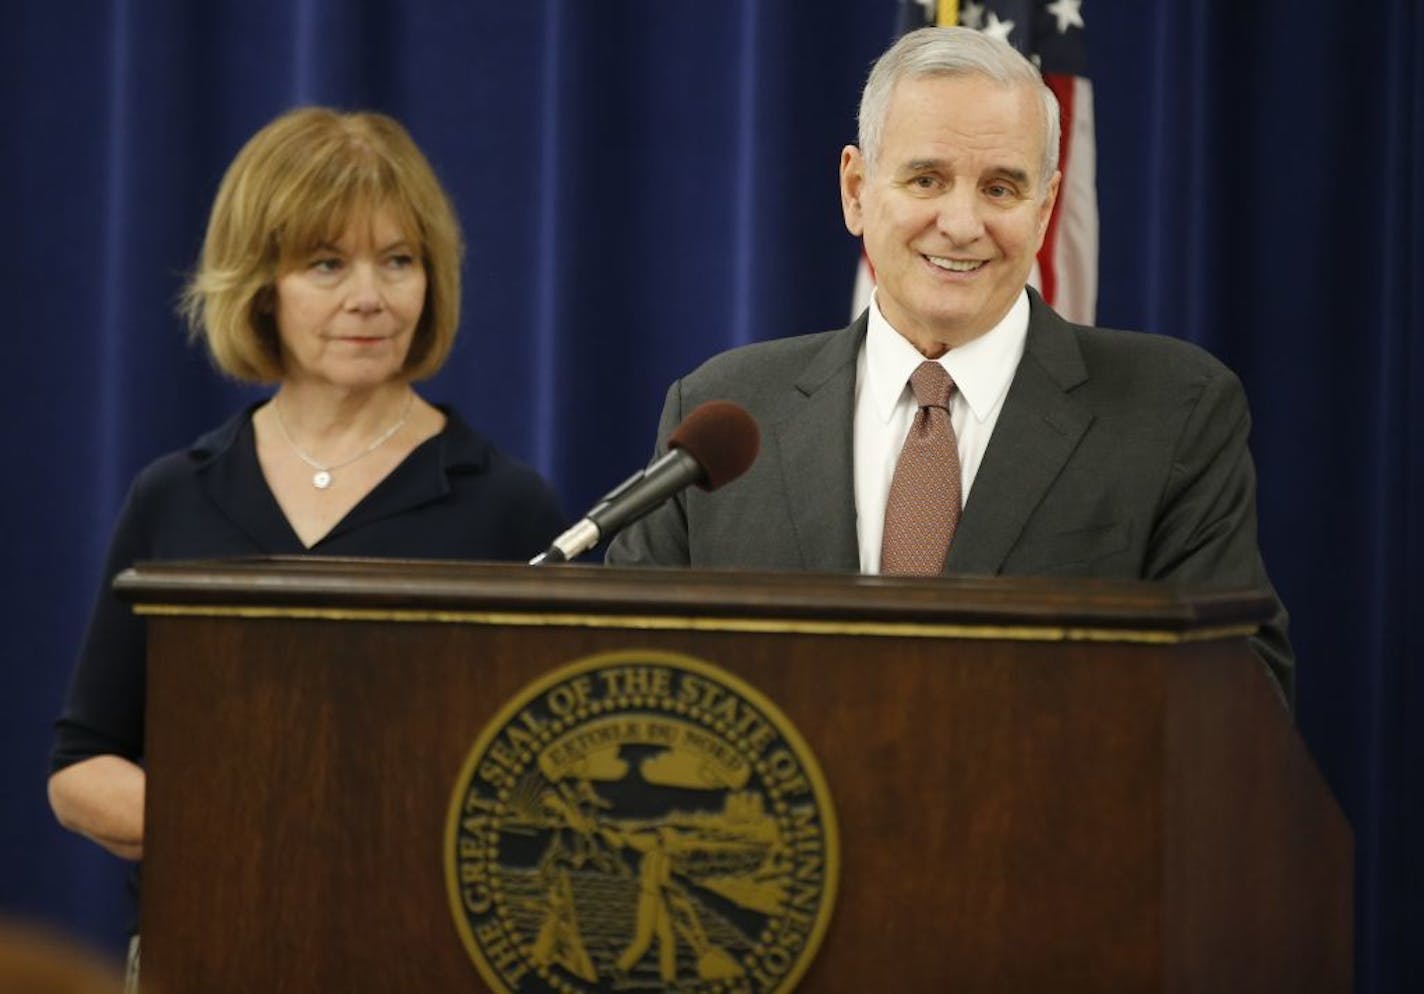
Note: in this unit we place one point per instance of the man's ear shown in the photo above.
(1045, 210)
(852, 187)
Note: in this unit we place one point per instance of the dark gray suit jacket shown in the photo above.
(1116, 455)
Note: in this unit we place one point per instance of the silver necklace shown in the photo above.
(321, 479)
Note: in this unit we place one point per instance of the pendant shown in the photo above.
(321, 479)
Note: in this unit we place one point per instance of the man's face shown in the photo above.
(955, 208)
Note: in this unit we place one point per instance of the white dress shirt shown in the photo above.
(885, 408)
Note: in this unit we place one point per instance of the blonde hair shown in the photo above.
(296, 184)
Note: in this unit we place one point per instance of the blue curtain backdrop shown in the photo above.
(646, 182)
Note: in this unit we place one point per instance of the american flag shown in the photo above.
(1050, 33)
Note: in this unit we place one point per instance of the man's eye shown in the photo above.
(924, 182)
(999, 191)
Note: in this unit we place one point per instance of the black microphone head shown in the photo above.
(722, 437)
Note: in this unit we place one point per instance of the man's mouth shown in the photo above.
(955, 265)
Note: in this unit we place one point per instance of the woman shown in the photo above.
(330, 269)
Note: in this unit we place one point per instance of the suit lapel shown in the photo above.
(814, 446)
(1038, 429)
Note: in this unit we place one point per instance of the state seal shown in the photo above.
(641, 821)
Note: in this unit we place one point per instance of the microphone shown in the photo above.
(715, 444)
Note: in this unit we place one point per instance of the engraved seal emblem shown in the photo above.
(641, 821)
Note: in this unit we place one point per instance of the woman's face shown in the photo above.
(347, 312)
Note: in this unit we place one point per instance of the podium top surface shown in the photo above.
(303, 585)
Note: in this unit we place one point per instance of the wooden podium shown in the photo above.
(1038, 785)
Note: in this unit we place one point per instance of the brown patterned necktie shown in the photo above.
(923, 508)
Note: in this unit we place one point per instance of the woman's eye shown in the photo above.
(401, 260)
(326, 264)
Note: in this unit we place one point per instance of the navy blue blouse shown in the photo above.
(454, 497)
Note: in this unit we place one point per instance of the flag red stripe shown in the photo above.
(1062, 87)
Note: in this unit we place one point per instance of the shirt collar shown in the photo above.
(225, 459)
(981, 369)
(460, 446)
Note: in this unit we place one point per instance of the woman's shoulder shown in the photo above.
(177, 470)
(471, 455)
(469, 450)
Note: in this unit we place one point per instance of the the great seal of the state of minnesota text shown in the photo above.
(641, 821)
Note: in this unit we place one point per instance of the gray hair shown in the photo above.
(951, 52)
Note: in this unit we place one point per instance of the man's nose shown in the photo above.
(959, 218)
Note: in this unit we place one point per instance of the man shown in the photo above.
(1060, 449)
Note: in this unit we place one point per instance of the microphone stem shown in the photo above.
(570, 545)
